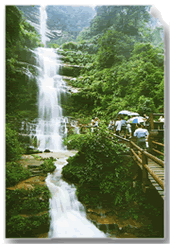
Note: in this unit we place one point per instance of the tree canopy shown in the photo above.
(21, 87)
(126, 67)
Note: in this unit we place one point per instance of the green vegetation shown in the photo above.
(48, 165)
(15, 173)
(27, 212)
(14, 148)
(127, 84)
(21, 227)
(123, 55)
(21, 86)
(104, 179)
(99, 166)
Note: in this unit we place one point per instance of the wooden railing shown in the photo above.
(156, 125)
(156, 133)
(142, 160)
(155, 150)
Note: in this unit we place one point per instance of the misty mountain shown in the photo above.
(70, 20)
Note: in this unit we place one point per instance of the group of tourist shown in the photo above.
(122, 126)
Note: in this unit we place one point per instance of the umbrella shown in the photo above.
(136, 120)
(126, 112)
(134, 113)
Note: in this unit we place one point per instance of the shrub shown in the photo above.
(70, 45)
(29, 202)
(75, 141)
(13, 147)
(99, 165)
(19, 226)
(48, 165)
(15, 173)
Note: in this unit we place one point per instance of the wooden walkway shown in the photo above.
(151, 166)
(159, 171)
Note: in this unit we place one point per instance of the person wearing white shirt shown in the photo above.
(117, 126)
(92, 123)
(142, 136)
(111, 124)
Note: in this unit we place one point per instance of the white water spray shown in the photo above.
(68, 216)
(43, 18)
(51, 125)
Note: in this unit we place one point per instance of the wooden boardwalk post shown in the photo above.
(144, 172)
(151, 121)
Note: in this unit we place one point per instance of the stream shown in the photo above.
(68, 215)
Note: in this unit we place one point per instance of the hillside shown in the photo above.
(123, 52)
(70, 20)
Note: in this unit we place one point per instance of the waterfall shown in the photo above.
(43, 18)
(50, 128)
(68, 216)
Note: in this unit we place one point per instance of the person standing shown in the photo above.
(129, 130)
(97, 121)
(117, 126)
(142, 136)
(92, 123)
(123, 126)
(111, 124)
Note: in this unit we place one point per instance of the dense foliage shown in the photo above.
(48, 165)
(14, 148)
(15, 173)
(27, 209)
(124, 69)
(27, 212)
(21, 87)
(98, 165)
(127, 19)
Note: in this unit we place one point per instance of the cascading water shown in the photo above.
(68, 216)
(51, 126)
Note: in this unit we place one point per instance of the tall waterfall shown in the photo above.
(68, 216)
(43, 18)
(51, 125)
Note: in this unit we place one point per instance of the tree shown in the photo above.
(21, 87)
(126, 19)
(114, 47)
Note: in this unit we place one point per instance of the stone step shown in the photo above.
(33, 166)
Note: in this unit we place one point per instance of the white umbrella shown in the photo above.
(134, 113)
(126, 112)
(138, 120)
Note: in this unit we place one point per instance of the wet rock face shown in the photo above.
(114, 226)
